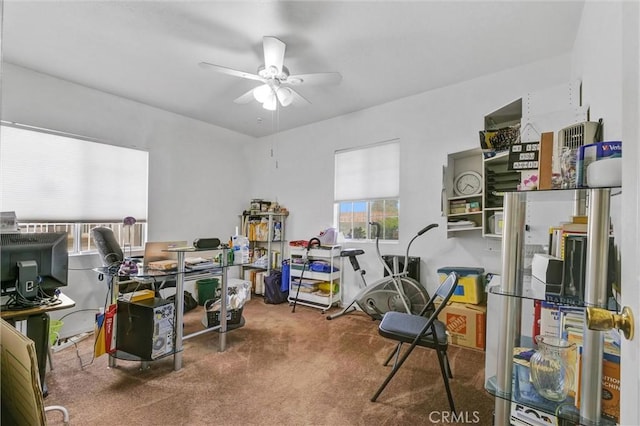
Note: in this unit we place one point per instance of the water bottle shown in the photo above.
(277, 232)
(240, 249)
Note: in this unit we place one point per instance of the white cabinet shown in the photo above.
(462, 200)
(315, 276)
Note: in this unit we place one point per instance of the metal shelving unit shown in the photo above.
(300, 267)
(268, 240)
(513, 290)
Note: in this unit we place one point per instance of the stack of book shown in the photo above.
(457, 206)
(462, 206)
(198, 263)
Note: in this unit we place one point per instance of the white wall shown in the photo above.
(429, 125)
(196, 188)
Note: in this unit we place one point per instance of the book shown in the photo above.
(163, 265)
(575, 227)
(549, 319)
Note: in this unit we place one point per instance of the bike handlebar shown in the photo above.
(406, 256)
(377, 225)
(428, 227)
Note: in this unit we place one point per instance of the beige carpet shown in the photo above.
(282, 368)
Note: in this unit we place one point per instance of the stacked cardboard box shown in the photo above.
(466, 324)
(465, 315)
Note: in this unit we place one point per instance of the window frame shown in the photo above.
(79, 240)
(368, 174)
(370, 216)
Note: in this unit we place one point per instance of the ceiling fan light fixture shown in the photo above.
(261, 93)
(273, 74)
(270, 103)
(285, 96)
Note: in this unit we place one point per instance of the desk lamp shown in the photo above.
(128, 267)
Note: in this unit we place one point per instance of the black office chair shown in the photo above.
(423, 330)
(112, 255)
(107, 246)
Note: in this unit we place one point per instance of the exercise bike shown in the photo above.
(394, 292)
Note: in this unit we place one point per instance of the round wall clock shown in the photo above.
(467, 183)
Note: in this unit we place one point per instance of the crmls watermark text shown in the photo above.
(470, 417)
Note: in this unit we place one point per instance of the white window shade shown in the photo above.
(51, 177)
(368, 173)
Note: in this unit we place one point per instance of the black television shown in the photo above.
(30, 262)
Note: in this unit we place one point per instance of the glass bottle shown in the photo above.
(553, 367)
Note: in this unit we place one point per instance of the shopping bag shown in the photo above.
(104, 331)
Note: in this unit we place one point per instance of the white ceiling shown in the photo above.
(148, 51)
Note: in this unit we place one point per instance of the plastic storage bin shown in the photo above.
(470, 284)
(54, 331)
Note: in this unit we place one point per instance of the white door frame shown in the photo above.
(630, 250)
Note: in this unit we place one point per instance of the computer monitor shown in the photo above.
(32, 261)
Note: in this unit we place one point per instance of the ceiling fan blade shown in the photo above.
(230, 71)
(273, 52)
(298, 99)
(244, 98)
(316, 78)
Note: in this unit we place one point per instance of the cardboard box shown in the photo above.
(466, 324)
(470, 284)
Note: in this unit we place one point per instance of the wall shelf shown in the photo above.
(457, 207)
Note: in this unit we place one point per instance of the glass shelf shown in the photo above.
(535, 290)
(524, 393)
(146, 275)
(126, 356)
(556, 190)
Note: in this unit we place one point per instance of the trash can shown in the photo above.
(206, 289)
(54, 331)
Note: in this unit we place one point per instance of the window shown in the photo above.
(58, 182)
(367, 189)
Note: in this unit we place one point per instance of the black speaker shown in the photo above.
(413, 269)
(206, 243)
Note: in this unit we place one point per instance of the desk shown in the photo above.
(146, 275)
(37, 327)
(20, 314)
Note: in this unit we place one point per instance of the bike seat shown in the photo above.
(351, 252)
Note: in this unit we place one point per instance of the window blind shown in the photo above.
(54, 177)
(368, 173)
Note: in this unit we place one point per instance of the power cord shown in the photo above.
(17, 301)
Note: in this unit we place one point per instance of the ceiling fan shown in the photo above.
(276, 78)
